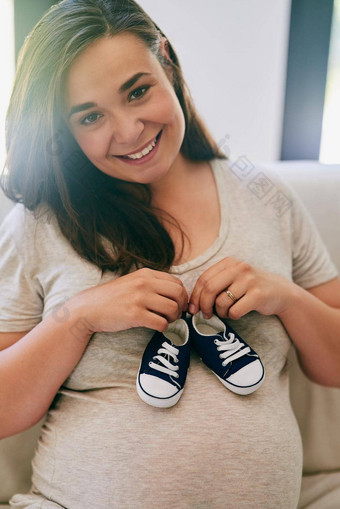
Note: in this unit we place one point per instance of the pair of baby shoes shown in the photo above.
(163, 369)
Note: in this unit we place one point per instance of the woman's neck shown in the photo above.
(182, 175)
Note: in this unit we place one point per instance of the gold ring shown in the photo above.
(231, 295)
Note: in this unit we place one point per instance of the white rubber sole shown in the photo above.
(243, 391)
(158, 402)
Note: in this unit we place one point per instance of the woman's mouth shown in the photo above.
(145, 155)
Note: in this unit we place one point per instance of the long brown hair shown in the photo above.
(109, 222)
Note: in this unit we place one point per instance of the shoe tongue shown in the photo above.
(220, 336)
(223, 336)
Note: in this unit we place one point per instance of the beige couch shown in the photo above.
(317, 408)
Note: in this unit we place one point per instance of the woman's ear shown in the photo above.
(164, 51)
(164, 48)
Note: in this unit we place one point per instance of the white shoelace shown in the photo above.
(168, 351)
(232, 348)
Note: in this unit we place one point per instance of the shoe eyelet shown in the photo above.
(215, 341)
(150, 364)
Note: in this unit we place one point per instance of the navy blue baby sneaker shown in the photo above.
(226, 354)
(163, 370)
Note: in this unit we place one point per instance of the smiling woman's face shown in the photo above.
(119, 102)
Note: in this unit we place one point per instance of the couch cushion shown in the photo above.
(318, 185)
(16, 453)
(317, 408)
(320, 491)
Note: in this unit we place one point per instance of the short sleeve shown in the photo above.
(21, 304)
(312, 264)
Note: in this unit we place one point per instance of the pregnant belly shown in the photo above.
(107, 449)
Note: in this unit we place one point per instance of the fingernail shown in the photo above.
(192, 309)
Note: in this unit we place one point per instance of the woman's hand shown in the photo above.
(254, 290)
(144, 298)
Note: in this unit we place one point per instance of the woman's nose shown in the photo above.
(126, 131)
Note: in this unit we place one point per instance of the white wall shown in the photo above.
(7, 66)
(233, 53)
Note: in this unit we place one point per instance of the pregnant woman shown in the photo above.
(128, 215)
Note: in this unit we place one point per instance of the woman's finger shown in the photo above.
(171, 290)
(163, 306)
(155, 321)
(211, 283)
(205, 300)
(227, 298)
(243, 306)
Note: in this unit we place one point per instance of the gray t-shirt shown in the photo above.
(101, 446)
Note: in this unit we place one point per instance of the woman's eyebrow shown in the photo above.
(128, 84)
(131, 81)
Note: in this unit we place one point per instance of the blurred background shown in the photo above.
(264, 75)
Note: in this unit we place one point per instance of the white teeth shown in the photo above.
(144, 152)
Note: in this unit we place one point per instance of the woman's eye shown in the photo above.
(138, 93)
(90, 119)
